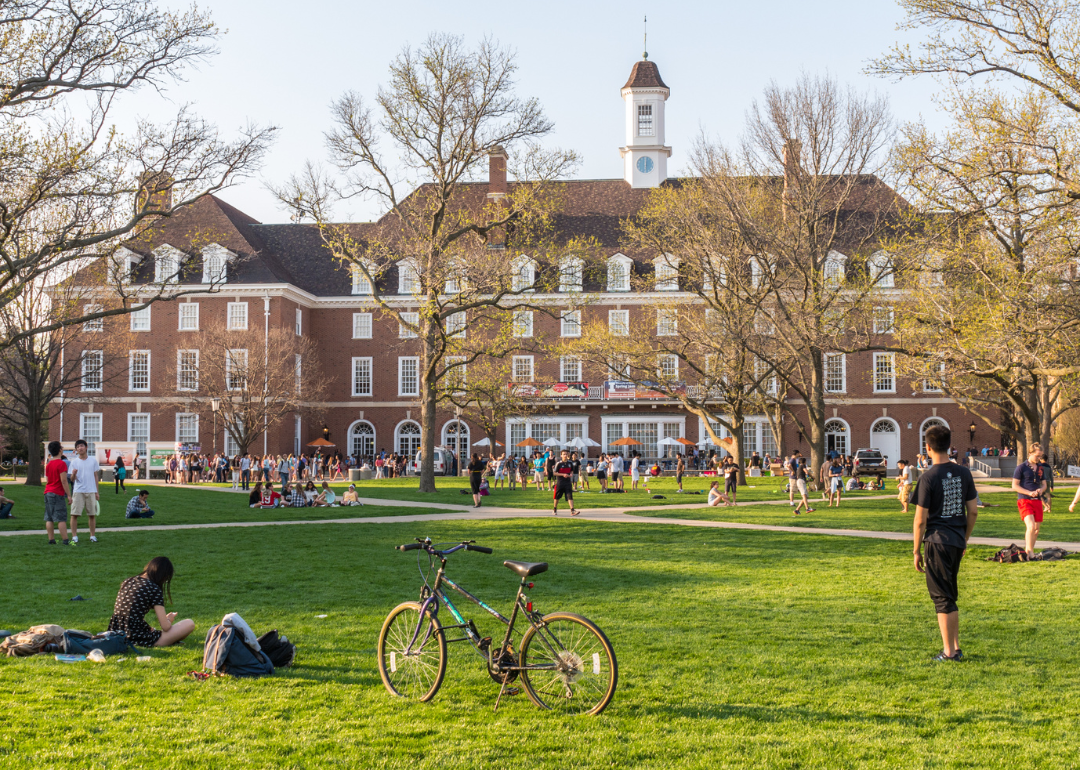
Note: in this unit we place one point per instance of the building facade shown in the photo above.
(280, 276)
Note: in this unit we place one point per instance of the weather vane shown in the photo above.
(645, 54)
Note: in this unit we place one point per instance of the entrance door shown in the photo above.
(456, 439)
(885, 437)
(836, 437)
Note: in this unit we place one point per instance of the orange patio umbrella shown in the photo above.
(627, 441)
(685, 441)
(322, 442)
(530, 441)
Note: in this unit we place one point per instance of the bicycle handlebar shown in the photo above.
(407, 547)
(480, 548)
(427, 545)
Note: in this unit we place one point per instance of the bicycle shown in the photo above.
(565, 662)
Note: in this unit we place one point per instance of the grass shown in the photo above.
(736, 649)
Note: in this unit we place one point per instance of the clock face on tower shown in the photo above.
(645, 164)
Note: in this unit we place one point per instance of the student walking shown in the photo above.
(476, 473)
(119, 474)
(945, 513)
(564, 483)
(799, 471)
(836, 481)
(1029, 484)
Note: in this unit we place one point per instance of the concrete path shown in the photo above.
(618, 515)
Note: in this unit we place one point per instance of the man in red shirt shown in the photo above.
(57, 493)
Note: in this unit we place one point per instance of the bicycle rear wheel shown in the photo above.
(579, 672)
(414, 672)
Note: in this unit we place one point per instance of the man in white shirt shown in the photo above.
(635, 471)
(616, 471)
(85, 474)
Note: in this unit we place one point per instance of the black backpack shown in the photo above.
(279, 649)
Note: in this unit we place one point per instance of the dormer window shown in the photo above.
(167, 261)
(571, 270)
(618, 273)
(408, 277)
(645, 120)
(667, 273)
(835, 264)
(524, 275)
(713, 272)
(881, 271)
(361, 284)
(215, 264)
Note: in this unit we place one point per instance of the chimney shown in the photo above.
(155, 191)
(792, 155)
(496, 172)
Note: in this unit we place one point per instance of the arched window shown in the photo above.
(618, 273)
(881, 270)
(362, 439)
(524, 274)
(927, 425)
(836, 437)
(407, 439)
(456, 439)
(835, 264)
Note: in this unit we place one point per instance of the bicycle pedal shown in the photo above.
(485, 643)
(510, 691)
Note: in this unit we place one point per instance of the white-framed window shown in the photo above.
(757, 272)
(645, 120)
(455, 324)
(361, 284)
(667, 272)
(618, 367)
(299, 321)
(408, 277)
(232, 446)
(98, 324)
(236, 369)
(769, 384)
(884, 372)
(618, 273)
(361, 326)
(884, 320)
(361, 376)
(835, 269)
(189, 316)
(523, 368)
(404, 332)
(140, 319)
(618, 322)
(237, 314)
(187, 428)
(408, 376)
(93, 361)
(139, 371)
(139, 431)
(835, 366)
(455, 373)
(299, 373)
(569, 369)
(881, 270)
(714, 272)
(934, 386)
(570, 323)
(215, 264)
(187, 370)
(90, 430)
(524, 275)
(456, 282)
(523, 323)
(667, 366)
(667, 322)
(166, 265)
(571, 274)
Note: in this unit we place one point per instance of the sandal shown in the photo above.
(574, 511)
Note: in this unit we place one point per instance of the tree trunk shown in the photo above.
(33, 453)
(815, 419)
(428, 403)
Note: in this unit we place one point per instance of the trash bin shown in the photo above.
(366, 475)
(354, 474)
(107, 475)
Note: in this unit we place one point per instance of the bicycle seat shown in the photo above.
(526, 568)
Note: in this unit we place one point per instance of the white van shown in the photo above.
(442, 462)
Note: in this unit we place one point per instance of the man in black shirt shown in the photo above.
(945, 514)
(476, 473)
(564, 483)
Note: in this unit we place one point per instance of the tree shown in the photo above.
(466, 259)
(72, 188)
(483, 392)
(790, 225)
(989, 317)
(38, 370)
(257, 376)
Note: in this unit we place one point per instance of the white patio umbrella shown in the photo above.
(668, 442)
(487, 442)
(552, 442)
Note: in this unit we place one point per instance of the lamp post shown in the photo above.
(215, 405)
(971, 432)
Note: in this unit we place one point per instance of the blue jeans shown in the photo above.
(5, 510)
(245, 478)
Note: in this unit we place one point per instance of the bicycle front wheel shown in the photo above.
(411, 662)
(568, 665)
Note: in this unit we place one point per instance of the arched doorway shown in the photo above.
(455, 437)
(836, 437)
(885, 437)
(362, 439)
(407, 439)
(927, 424)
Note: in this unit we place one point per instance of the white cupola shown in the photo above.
(645, 156)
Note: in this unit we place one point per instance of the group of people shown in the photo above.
(247, 468)
(297, 494)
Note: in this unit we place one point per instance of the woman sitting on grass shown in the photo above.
(138, 595)
(255, 498)
(715, 495)
(310, 493)
(350, 497)
(325, 498)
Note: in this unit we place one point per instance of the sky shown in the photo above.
(283, 63)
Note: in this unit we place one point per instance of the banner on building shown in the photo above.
(1074, 471)
(108, 452)
(556, 391)
(623, 390)
(158, 458)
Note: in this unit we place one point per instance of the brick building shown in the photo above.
(281, 276)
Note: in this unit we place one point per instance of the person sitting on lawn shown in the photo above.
(715, 495)
(325, 498)
(310, 493)
(255, 498)
(142, 593)
(295, 496)
(270, 498)
(350, 497)
(5, 506)
(138, 507)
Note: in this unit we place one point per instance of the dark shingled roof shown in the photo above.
(645, 74)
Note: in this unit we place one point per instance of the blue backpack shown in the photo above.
(77, 642)
(226, 653)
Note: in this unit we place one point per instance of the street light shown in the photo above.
(215, 405)
(971, 432)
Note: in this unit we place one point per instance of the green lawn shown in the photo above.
(736, 649)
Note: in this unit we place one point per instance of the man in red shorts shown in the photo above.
(1029, 484)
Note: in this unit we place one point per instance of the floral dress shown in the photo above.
(138, 595)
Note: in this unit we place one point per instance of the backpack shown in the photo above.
(279, 649)
(226, 653)
(1010, 555)
(76, 642)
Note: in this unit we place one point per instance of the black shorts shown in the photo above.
(730, 485)
(942, 564)
(474, 483)
(564, 490)
(601, 475)
(615, 475)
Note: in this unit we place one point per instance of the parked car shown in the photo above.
(870, 462)
(442, 461)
